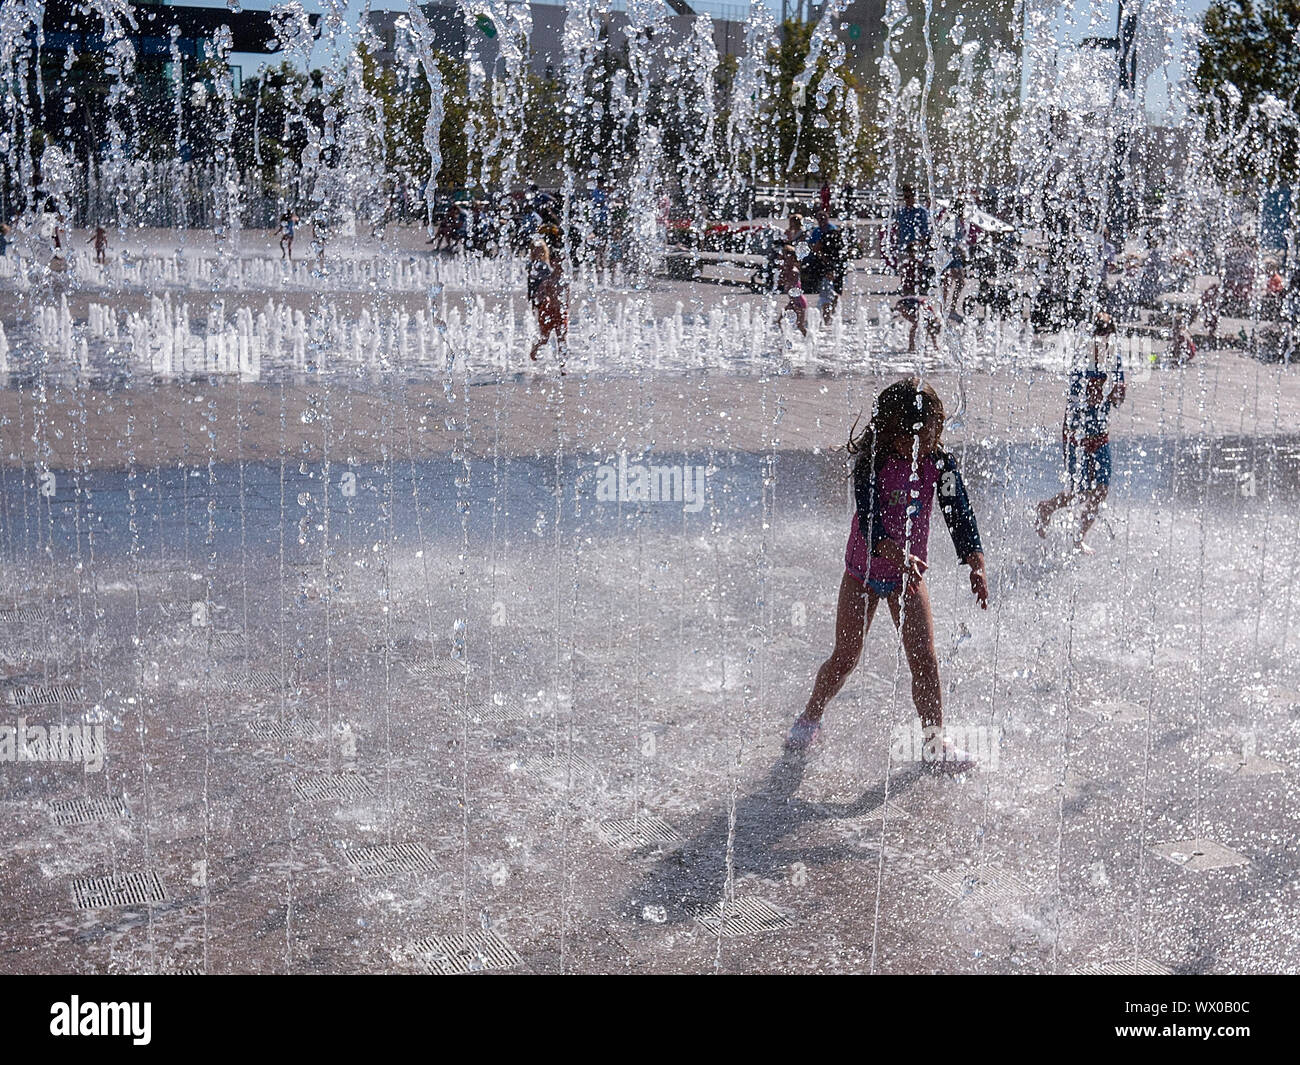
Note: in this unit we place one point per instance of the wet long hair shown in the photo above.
(902, 409)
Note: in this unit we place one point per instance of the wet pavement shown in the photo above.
(471, 695)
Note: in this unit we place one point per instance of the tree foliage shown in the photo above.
(1249, 79)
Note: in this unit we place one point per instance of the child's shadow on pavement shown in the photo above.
(695, 874)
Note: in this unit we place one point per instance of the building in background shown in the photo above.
(453, 33)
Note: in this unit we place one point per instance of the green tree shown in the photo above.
(1249, 53)
(807, 128)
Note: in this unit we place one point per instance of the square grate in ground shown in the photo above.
(89, 811)
(332, 786)
(468, 953)
(44, 695)
(388, 859)
(21, 615)
(643, 831)
(1200, 855)
(293, 729)
(875, 813)
(228, 643)
(745, 916)
(985, 884)
(437, 669)
(499, 710)
(253, 680)
(1124, 967)
(125, 889)
(559, 770)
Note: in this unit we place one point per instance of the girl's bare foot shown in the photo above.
(1044, 516)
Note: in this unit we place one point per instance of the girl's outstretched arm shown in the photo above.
(959, 516)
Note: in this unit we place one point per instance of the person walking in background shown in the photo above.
(961, 245)
(100, 240)
(794, 232)
(1095, 387)
(831, 255)
(549, 296)
(911, 228)
(288, 226)
(790, 281)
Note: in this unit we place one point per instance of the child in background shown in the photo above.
(100, 240)
(547, 295)
(914, 272)
(898, 469)
(1085, 432)
(790, 281)
(288, 227)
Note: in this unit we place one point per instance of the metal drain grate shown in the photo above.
(228, 643)
(284, 730)
(255, 680)
(25, 614)
(506, 711)
(744, 917)
(88, 811)
(896, 813)
(385, 859)
(45, 695)
(985, 884)
(559, 770)
(333, 786)
(437, 669)
(1125, 967)
(125, 889)
(1200, 855)
(472, 952)
(638, 832)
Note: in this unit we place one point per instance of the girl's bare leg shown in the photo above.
(857, 607)
(918, 646)
(1092, 501)
(1048, 507)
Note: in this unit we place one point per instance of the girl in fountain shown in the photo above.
(790, 281)
(549, 296)
(100, 239)
(899, 466)
(288, 225)
(1085, 432)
